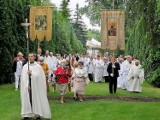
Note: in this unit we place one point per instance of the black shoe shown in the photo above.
(25, 118)
(38, 118)
(76, 99)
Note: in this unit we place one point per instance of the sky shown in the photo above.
(72, 7)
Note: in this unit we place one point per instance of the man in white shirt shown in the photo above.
(17, 69)
(105, 72)
(120, 78)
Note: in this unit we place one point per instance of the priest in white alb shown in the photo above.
(91, 68)
(125, 67)
(98, 69)
(47, 58)
(135, 77)
(38, 106)
(85, 61)
(52, 65)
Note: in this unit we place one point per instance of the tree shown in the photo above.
(12, 35)
(93, 34)
(79, 27)
(142, 36)
(64, 9)
(92, 10)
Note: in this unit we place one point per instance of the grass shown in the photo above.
(88, 110)
(101, 89)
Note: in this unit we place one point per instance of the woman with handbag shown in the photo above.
(62, 77)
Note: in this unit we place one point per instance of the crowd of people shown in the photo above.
(73, 72)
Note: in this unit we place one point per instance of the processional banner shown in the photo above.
(112, 29)
(41, 23)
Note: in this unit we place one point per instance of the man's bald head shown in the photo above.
(39, 51)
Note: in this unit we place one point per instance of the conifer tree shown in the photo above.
(79, 26)
(64, 9)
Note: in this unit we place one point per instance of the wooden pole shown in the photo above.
(26, 25)
(38, 40)
(113, 4)
(102, 52)
(38, 44)
(41, 2)
(113, 53)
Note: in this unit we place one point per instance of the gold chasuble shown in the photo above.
(41, 23)
(112, 29)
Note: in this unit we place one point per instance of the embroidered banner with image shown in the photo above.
(41, 23)
(112, 29)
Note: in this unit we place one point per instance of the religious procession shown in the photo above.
(72, 72)
(79, 59)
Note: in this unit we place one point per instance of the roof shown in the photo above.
(93, 43)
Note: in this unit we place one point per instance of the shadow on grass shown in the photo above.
(117, 98)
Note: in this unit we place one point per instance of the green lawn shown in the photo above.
(88, 110)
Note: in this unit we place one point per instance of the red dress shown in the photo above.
(65, 74)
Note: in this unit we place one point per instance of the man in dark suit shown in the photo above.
(112, 69)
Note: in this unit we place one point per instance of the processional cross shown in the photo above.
(26, 25)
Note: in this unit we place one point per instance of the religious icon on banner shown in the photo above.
(112, 29)
(41, 23)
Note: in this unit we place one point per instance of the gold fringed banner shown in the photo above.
(112, 29)
(103, 30)
(41, 23)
